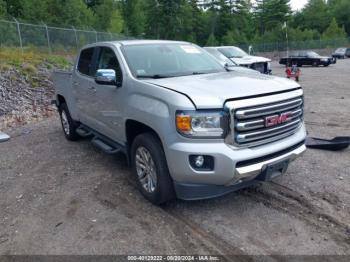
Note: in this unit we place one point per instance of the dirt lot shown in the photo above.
(59, 197)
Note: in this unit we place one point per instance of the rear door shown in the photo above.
(108, 109)
(304, 60)
(83, 86)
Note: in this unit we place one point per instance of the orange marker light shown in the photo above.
(183, 123)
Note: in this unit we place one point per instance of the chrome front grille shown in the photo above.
(257, 121)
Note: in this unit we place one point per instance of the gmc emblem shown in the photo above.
(277, 119)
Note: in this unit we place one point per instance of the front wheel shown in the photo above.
(151, 170)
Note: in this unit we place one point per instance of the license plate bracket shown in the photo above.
(274, 170)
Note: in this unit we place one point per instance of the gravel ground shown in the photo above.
(60, 197)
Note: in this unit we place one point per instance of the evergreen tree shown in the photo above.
(340, 10)
(35, 11)
(117, 22)
(270, 14)
(211, 41)
(315, 15)
(333, 31)
(69, 12)
(3, 8)
(134, 17)
(14, 8)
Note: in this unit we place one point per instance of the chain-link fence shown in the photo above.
(48, 38)
(299, 45)
(57, 39)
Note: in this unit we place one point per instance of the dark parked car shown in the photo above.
(341, 53)
(301, 58)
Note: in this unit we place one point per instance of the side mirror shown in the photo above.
(106, 77)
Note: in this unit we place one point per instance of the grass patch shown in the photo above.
(4, 67)
(58, 61)
(29, 69)
(28, 59)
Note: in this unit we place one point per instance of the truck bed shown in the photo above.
(62, 81)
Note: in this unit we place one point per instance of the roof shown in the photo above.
(138, 42)
(135, 42)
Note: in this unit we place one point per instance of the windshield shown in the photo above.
(169, 60)
(340, 50)
(313, 54)
(232, 52)
(219, 56)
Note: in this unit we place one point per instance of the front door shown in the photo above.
(83, 87)
(109, 106)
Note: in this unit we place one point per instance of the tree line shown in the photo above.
(206, 22)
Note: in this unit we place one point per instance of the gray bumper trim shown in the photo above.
(187, 191)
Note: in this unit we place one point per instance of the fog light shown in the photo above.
(199, 161)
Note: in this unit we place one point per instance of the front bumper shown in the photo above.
(233, 167)
(246, 176)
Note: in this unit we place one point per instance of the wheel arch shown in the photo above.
(133, 128)
(60, 100)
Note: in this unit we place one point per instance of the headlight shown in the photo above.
(202, 124)
(324, 59)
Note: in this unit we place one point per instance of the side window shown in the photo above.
(85, 61)
(108, 60)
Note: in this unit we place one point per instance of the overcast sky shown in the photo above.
(297, 4)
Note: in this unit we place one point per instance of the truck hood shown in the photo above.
(248, 60)
(212, 90)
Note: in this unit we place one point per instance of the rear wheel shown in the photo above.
(69, 126)
(151, 170)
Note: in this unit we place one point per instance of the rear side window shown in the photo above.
(85, 61)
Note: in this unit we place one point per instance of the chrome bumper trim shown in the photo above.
(251, 171)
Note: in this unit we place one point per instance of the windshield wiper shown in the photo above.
(199, 73)
(155, 76)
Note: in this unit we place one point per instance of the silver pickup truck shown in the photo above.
(190, 128)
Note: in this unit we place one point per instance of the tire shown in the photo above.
(69, 126)
(315, 64)
(325, 65)
(161, 188)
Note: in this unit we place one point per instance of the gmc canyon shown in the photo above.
(189, 127)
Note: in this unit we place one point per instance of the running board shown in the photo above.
(102, 142)
(83, 132)
(105, 147)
